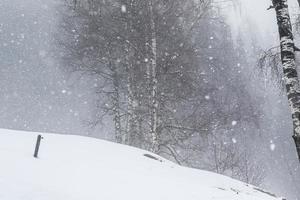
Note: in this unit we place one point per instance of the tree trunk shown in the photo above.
(126, 10)
(130, 106)
(289, 65)
(116, 104)
(154, 102)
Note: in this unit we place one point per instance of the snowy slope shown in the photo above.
(81, 168)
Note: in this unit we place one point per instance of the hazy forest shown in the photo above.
(207, 84)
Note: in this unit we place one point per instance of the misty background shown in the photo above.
(39, 94)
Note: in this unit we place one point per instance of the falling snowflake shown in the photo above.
(123, 9)
(234, 123)
(272, 146)
(207, 97)
(234, 140)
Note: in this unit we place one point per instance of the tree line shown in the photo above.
(169, 77)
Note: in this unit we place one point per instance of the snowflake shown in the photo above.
(272, 146)
(234, 123)
(234, 140)
(123, 9)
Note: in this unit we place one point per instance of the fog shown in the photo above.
(39, 94)
(36, 94)
(256, 22)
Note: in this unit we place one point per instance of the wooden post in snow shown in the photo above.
(37, 146)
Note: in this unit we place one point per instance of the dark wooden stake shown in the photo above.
(37, 146)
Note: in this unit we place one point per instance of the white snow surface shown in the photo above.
(81, 168)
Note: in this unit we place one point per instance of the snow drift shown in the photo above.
(82, 168)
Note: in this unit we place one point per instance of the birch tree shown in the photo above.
(126, 10)
(153, 81)
(289, 66)
(119, 137)
(168, 82)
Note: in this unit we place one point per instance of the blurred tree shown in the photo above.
(168, 76)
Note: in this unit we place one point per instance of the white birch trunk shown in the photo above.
(154, 102)
(126, 9)
(130, 105)
(116, 106)
(289, 66)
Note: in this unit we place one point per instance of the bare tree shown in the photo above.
(167, 84)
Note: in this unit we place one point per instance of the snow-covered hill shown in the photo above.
(82, 168)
